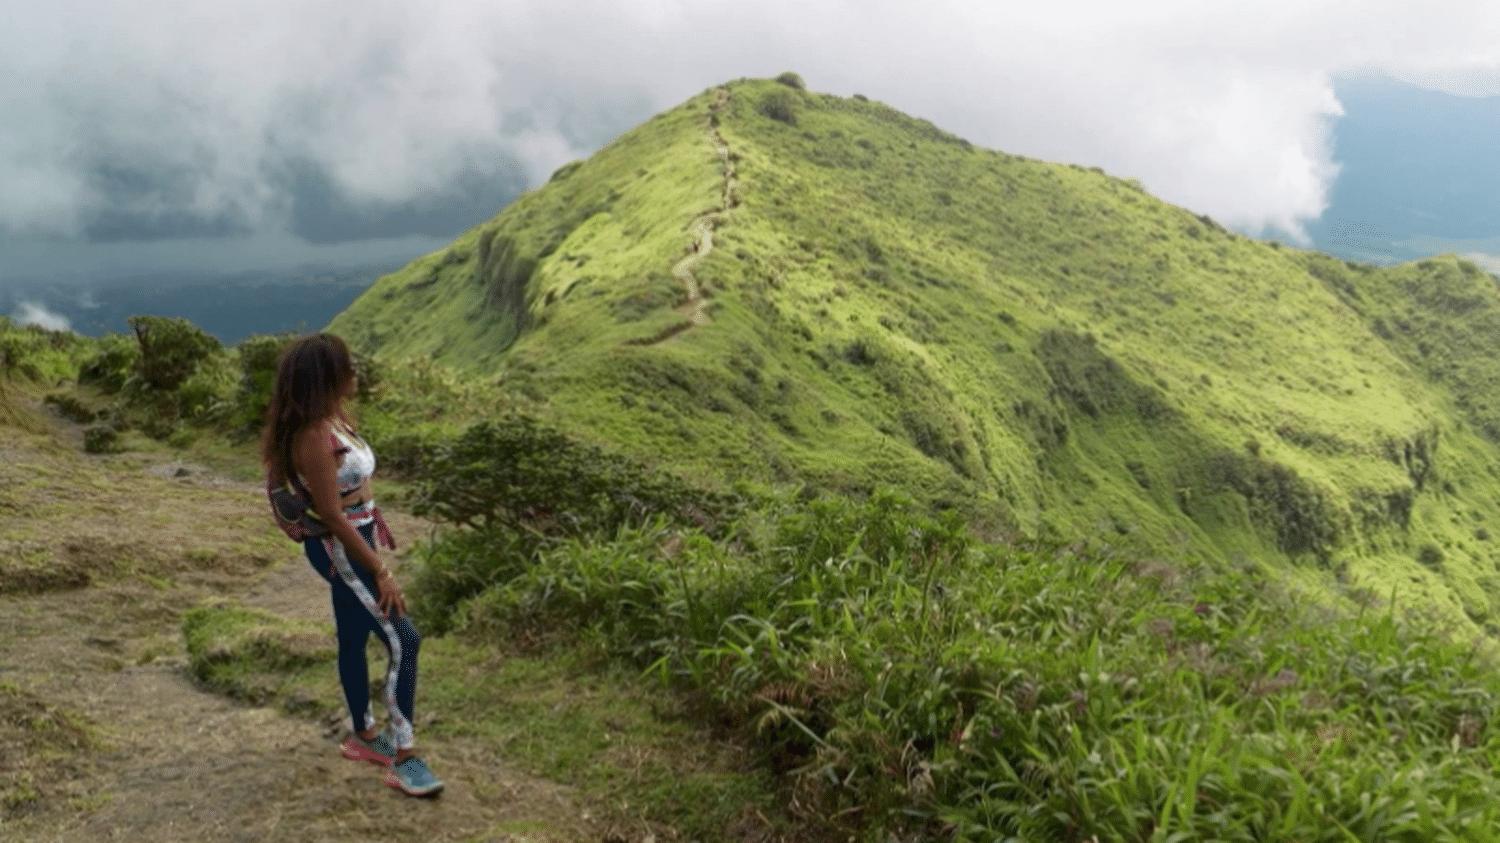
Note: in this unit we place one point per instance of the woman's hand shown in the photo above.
(391, 599)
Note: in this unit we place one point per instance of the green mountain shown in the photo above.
(792, 286)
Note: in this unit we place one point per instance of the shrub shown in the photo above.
(101, 439)
(780, 106)
(14, 358)
(258, 355)
(108, 369)
(1431, 556)
(170, 349)
(565, 170)
(209, 393)
(70, 407)
(516, 473)
(519, 486)
(792, 80)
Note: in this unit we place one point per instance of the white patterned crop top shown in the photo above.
(356, 465)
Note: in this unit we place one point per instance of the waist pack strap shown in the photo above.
(382, 532)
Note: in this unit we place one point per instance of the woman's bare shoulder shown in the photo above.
(307, 443)
(317, 430)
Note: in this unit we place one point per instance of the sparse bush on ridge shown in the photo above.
(780, 106)
(565, 170)
(792, 80)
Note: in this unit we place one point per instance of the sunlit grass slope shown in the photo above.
(1046, 346)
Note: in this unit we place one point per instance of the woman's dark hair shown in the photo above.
(311, 373)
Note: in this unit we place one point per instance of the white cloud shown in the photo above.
(1489, 262)
(31, 313)
(1224, 107)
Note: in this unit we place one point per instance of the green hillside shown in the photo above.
(792, 286)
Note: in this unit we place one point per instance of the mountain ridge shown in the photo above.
(1045, 346)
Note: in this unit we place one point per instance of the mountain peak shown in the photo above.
(796, 286)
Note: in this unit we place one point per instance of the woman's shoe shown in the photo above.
(412, 778)
(379, 751)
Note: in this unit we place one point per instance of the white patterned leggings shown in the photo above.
(356, 613)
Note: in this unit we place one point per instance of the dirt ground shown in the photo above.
(108, 738)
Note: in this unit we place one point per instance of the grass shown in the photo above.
(39, 737)
(256, 656)
(904, 680)
(567, 715)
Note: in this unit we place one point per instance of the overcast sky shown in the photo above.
(231, 135)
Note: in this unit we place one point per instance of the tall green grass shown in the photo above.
(905, 678)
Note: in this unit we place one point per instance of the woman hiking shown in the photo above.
(309, 438)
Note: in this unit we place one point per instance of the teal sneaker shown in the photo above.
(379, 751)
(412, 778)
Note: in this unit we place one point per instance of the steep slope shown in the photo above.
(770, 282)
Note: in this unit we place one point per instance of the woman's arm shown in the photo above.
(318, 467)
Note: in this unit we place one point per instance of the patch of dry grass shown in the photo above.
(46, 748)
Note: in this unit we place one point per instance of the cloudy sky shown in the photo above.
(167, 136)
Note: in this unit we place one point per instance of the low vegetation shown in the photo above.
(907, 681)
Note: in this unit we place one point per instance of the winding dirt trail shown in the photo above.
(166, 760)
(695, 308)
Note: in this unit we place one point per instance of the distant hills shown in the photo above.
(792, 286)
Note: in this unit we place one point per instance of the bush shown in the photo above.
(108, 369)
(792, 80)
(15, 358)
(405, 449)
(170, 349)
(517, 486)
(1431, 556)
(515, 473)
(101, 439)
(209, 393)
(258, 354)
(780, 106)
(70, 407)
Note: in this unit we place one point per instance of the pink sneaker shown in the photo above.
(379, 751)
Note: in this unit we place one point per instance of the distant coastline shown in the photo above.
(230, 306)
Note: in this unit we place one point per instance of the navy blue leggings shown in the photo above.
(356, 613)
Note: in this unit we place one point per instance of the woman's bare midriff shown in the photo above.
(362, 496)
